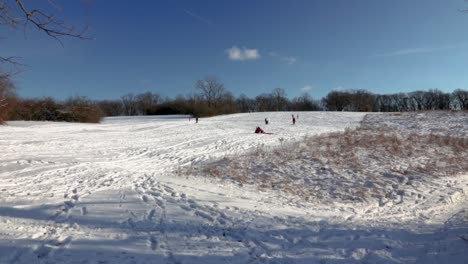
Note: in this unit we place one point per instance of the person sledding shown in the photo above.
(258, 130)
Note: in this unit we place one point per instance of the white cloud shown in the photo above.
(242, 54)
(307, 88)
(251, 54)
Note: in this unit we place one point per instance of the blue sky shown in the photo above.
(251, 46)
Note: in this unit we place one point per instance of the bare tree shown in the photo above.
(433, 99)
(146, 103)
(382, 103)
(129, 104)
(227, 103)
(304, 103)
(419, 100)
(336, 101)
(362, 101)
(6, 90)
(440, 100)
(82, 109)
(211, 89)
(111, 107)
(393, 103)
(6, 96)
(265, 102)
(245, 104)
(355, 100)
(461, 96)
(281, 100)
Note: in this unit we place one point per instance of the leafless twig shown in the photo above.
(49, 24)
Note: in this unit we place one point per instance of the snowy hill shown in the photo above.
(120, 192)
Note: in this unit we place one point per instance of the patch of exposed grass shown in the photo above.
(356, 164)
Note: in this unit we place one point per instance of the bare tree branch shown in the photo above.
(5, 15)
(15, 12)
(52, 26)
(10, 60)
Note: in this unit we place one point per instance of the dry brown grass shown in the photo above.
(310, 168)
(445, 154)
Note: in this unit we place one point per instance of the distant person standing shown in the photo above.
(294, 120)
(266, 121)
(196, 119)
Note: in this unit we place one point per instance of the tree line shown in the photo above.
(74, 109)
(208, 102)
(212, 98)
(365, 101)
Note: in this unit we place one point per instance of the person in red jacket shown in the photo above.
(294, 120)
(258, 130)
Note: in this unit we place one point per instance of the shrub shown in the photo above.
(77, 109)
(81, 109)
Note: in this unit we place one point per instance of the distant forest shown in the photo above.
(212, 98)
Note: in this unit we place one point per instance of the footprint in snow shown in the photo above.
(153, 242)
(151, 214)
(159, 203)
(204, 215)
(44, 250)
(185, 207)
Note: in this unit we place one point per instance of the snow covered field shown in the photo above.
(116, 192)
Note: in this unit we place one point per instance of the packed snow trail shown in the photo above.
(110, 193)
